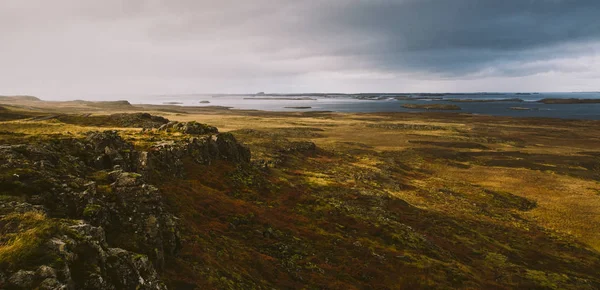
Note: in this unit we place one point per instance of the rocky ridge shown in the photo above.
(82, 214)
(192, 127)
(131, 120)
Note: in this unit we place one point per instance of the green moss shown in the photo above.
(91, 210)
(23, 181)
(10, 198)
(140, 256)
(100, 177)
(26, 247)
(496, 260)
(105, 189)
(546, 280)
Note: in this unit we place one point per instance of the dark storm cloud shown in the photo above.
(441, 36)
(494, 25)
(464, 35)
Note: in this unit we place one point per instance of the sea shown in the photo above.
(494, 104)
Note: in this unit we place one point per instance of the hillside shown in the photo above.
(296, 200)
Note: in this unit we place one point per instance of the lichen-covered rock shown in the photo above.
(135, 218)
(85, 261)
(129, 120)
(52, 284)
(100, 223)
(230, 149)
(143, 120)
(45, 272)
(22, 280)
(95, 266)
(128, 270)
(192, 128)
(162, 158)
(12, 206)
(111, 150)
(167, 157)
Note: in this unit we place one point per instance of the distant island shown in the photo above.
(300, 108)
(569, 101)
(431, 106)
(484, 100)
(523, 109)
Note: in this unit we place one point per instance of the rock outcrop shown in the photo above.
(164, 157)
(127, 120)
(192, 127)
(89, 204)
(75, 255)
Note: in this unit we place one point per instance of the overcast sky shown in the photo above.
(81, 48)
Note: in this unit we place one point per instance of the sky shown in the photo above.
(89, 49)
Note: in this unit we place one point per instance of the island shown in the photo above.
(523, 109)
(299, 108)
(484, 100)
(431, 106)
(557, 101)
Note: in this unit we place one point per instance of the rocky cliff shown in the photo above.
(82, 213)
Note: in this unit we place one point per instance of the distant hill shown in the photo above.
(106, 104)
(19, 98)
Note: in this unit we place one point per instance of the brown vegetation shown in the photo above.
(382, 201)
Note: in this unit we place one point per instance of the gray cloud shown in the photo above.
(461, 35)
(71, 47)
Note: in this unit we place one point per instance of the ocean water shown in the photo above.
(386, 103)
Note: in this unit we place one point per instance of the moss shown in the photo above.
(10, 198)
(100, 177)
(105, 189)
(546, 280)
(24, 245)
(91, 210)
(23, 181)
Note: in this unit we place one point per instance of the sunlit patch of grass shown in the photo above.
(23, 239)
(557, 196)
(51, 129)
(318, 181)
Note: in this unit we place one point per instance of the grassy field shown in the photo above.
(555, 163)
(383, 201)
